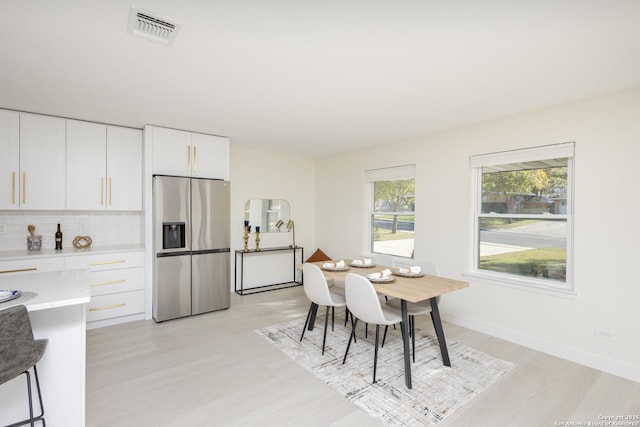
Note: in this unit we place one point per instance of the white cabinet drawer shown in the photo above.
(114, 281)
(99, 262)
(117, 284)
(115, 305)
(36, 265)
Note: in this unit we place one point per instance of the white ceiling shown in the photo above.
(315, 77)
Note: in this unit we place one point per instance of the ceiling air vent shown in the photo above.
(147, 24)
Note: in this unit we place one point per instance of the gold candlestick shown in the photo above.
(246, 239)
(257, 240)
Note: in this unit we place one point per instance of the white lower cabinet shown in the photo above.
(117, 286)
(115, 306)
(116, 280)
(36, 265)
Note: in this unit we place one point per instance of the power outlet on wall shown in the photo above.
(606, 334)
(3, 229)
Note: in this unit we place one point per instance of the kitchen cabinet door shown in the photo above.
(171, 152)
(10, 159)
(183, 153)
(104, 167)
(124, 169)
(42, 162)
(210, 156)
(86, 164)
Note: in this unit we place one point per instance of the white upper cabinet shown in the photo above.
(171, 151)
(104, 167)
(124, 169)
(210, 156)
(10, 159)
(86, 163)
(182, 153)
(42, 162)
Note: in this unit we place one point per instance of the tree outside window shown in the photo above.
(392, 218)
(513, 238)
(523, 219)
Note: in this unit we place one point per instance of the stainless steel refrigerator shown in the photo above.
(191, 245)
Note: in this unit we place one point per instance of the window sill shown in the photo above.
(522, 284)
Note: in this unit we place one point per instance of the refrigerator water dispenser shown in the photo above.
(173, 235)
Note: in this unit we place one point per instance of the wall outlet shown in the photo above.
(3, 229)
(606, 334)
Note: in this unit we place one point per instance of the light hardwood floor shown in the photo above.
(214, 370)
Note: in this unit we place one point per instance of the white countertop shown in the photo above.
(54, 289)
(70, 251)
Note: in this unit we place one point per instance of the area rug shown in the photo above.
(437, 390)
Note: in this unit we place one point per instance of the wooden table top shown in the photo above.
(414, 289)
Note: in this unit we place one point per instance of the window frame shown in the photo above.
(394, 173)
(541, 153)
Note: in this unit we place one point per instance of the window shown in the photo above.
(523, 216)
(391, 200)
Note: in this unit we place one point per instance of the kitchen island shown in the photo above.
(56, 304)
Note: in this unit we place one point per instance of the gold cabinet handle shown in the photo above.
(107, 307)
(19, 271)
(13, 187)
(189, 158)
(110, 187)
(101, 191)
(24, 187)
(107, 282)
(195, 159)
(118, 261)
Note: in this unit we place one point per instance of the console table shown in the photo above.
(269, 287)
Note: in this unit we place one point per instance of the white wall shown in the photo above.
(259, 174)
(606, 131)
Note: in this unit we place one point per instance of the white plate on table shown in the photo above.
(345, 268)
(8, 295)
(387, 279)
(410, 275)
(362, 265)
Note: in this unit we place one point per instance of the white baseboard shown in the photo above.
(115, 321)
(611, 366)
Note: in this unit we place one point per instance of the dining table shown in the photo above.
(419, 287)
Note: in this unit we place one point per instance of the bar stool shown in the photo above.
(19, 352)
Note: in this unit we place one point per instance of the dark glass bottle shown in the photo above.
(58, 239)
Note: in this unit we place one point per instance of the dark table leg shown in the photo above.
(405, 343)
(437, 324)
(312, 319)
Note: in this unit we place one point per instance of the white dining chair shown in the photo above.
(383, 259)
(417, 309)
(316, 288)
(363, 304)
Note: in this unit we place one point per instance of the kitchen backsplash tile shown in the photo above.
(105, 229)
